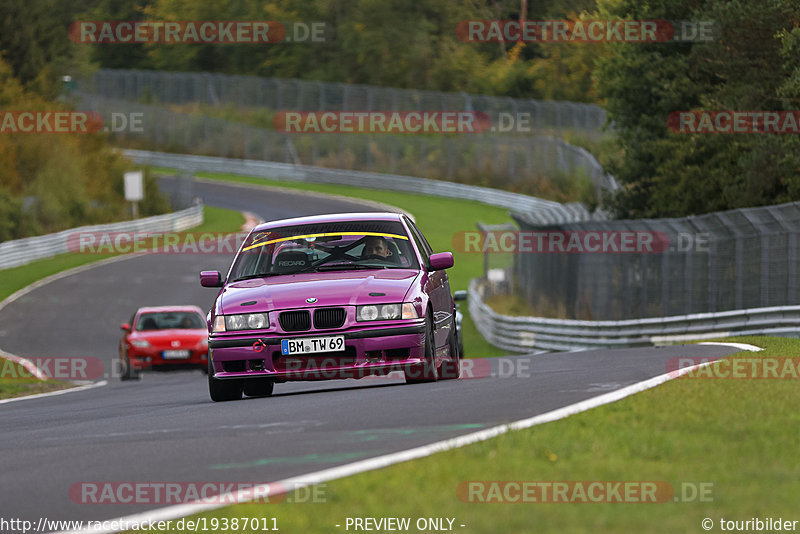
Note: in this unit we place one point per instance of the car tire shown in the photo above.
(258, 387)
(127, 372)
(427, 371)
(451, 370)
(223, 390)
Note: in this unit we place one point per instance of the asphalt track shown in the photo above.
(165, 429)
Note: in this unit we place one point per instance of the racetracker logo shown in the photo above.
(54, 368)
(382, 122)
(584, 31)
(154, 242)
(747, 368)
(196, 32)
(170, 493)
(471, 369)
(582, 491)
(734, 122)
(562, 241)
(37, 122)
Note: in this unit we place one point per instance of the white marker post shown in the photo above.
(134, 190)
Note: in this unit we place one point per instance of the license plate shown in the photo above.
(175, 354)
(310, 345)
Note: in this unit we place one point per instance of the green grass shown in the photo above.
(16, 278)
(440, 219)
(16, 381)
(736, 436)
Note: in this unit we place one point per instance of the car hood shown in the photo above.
(329, 288)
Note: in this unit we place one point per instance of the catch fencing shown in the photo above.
(517, 163)
(730, 260)
(164, 87)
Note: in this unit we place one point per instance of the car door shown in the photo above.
(437, 286)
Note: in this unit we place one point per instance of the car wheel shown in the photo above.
(258, 387)
(127, 372)
(452, 369)
(223, 390)
(425, 372)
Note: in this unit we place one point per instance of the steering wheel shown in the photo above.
(375, 257)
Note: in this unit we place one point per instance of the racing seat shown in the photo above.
(290, 261)
(395, 257)
(149, 324)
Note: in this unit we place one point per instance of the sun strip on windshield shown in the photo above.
(326, 234)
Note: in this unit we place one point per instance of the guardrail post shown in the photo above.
(792, 269)
(739, 271)
(764, 269)
(713, 291)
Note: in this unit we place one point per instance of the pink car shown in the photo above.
(331, 297)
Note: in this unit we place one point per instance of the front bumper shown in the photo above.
(148, 358)
(368, 351)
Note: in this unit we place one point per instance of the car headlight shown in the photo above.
(141, 343)
(249, 321)
(385, 312)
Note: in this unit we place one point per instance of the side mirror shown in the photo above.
(210, 279)
(460, 295)
(442, 260)
(125, 326)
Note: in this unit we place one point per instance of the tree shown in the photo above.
(743, 68)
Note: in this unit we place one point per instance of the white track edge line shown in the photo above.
(25, 362)
(740, 346)
(54, 393)
(378, 462)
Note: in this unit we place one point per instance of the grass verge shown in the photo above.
(731, 441)
(12, 379)
(441, 220)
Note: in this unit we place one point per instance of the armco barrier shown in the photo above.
(26, 250)
(526, 334)
(545, 211)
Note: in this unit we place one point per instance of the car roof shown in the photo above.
(332, 217)
(167, 309)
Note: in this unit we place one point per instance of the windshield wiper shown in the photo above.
(262, 275)
(348, 266)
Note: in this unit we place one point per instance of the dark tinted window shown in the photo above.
(164, 321)
(348, 245)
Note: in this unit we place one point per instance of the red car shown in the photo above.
(164, 337)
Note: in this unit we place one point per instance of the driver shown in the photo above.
(376, 246)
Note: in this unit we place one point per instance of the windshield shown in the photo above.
(336, 246)
(170, 320)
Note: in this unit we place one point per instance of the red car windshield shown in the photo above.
(169, 320)
(336, 246)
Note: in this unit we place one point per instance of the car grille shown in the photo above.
(398, 354)
(329, 318)
(233, 366)
(295, 321)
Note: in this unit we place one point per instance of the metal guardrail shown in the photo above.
(525, 334)
(545, 211)
(500, 161)
(22, 251)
